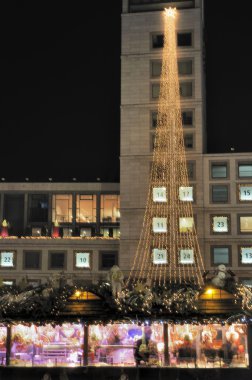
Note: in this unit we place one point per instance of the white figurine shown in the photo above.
(116, 277)
(220, 279)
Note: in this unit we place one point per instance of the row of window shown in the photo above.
(187, 116)
(186, 89)
(184, 39)
(189, 141)
(57, 260)
(220, 224)
(223, 255)
(185, 67)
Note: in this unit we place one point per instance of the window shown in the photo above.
(82, 260)
(245, 170)
(185, 67)
(107, 259)
(219, 170)
(157, 40)
(156, 68)
(155, 89)
(159, 225)
(38, 208)
(245, 255)
(57, 260)
(32, 260)
(246, 224)
(186, 89)
(191, 169)
(188, 141)
(7, 259)
(62, 208)
(154, 116)
(220, 224)
(86, 208)
(85, 232)
(219, 193)
(36, 231)
(246, 282)
(187, 118)
(221, 255)
(184, 39)
(186, 225)
(67, 232)
(110, 208)
(110, 232)
(245, 193)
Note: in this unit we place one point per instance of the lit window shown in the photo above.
(186, 256)
(184, 39)
(245, 170)
(67, 232)
(246, 255)
(82, 260)
(246, 224)
(159, 225)
(186, 194)
(7, 259)
(245, 192)
(36, 231)
(186, 224)
(159, 256)
(85, 208)
(62, 208)
(110, 208)
(85, 232)
(220, 224)
(219, 193)
(219, 170)
(159, 194)
(220, 255)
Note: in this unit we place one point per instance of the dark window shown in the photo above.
(154, 115)
(184, 39)
(245, 170)
(157, 41)
(221, 255)
(191, 170)
(188, 138)
(38, 208)
(220, 193)
(219, 170)
(186, 89)
(14, 212)
(32, 260)
(187, 118)
(57, 260)
(185, 67)
(155, 90)
(108, 259)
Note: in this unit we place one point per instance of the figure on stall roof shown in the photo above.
(116, 277)
(141, 349)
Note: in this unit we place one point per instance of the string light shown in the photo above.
(168, 176)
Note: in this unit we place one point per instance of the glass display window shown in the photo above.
(47, 345)
(62, 206)
(85, 208)
(110, 208)
(125, 344)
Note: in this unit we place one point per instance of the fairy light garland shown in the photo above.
(169, 172)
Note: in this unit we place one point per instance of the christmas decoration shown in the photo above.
(4, 229)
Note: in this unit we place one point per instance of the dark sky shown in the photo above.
(60, 87)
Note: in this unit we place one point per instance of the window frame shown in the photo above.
(245, 162)
(50, 253)
(40, 259)
(193, 139)
(239, 224)
(212, 232)
(184, 31)
(14, 251)
(211, 187)
(186, 126)
(90, 252)
(218, 163)
(212, 247)
(101, 252)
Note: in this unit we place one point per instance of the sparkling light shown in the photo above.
(164, 209)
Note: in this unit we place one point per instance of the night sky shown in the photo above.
(60, 87)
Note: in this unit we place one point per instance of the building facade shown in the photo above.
(222, 183)
(55, 227)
